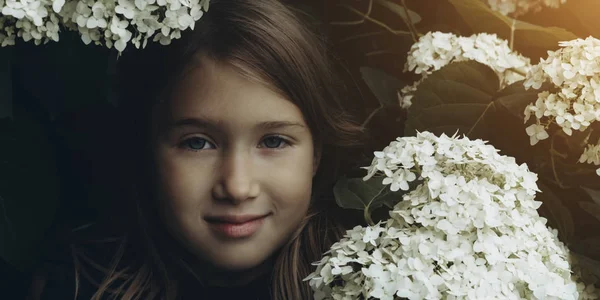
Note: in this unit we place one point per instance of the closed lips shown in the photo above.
(234, 219)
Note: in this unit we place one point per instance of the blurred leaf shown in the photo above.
(28, 189)
(594, 194)
(591, 208)
(527, 34)
(481, 18)
(558, 214)
(573, 146)
(573, 173)
(590, 268)
(384, 86)
(411, 17)
(6, 95)
(457, 97)
(355, 193)
(589, 247)
(515, 98)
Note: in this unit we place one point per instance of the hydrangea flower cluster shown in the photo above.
(113, 23)
(469, 230)
(521, 7)
(574, 102)
(437, 49)
(36, 20)
(591, 155)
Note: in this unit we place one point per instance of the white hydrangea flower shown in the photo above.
(536, 133)
(469, 230)
(585, 291)
(591, 155)
(113, 23)
(574, 101)
(7, 32)
(520, 7)
(406, 94)
(31, 20)
(437, 49)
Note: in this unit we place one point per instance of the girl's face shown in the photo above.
(235, 164)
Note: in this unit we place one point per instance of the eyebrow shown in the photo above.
(202, 123)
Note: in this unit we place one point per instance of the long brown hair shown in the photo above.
(265, 40)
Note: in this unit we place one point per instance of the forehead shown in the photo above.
(221, 92)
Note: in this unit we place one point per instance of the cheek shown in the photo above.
(290, 187)
(181, 189)
(290, 194)
(181, 185)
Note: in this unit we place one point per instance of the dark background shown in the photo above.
(56, 103)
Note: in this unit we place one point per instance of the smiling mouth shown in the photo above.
(234, 219)
(235, 227)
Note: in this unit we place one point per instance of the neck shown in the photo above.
(210, 275)
(224, 278)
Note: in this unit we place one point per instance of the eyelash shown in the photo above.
(284, 143)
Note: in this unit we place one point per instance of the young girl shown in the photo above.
(234, 136)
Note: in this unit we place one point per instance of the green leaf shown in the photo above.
(570, 171)
(28, 190)
(6, 97)
(481, 18)
(556, 212)
(594, 194)
(458, 97)
(515, 98)
(527, 34)
(384, 86)
(589, 247)
(591, 208)
(355, 193)
(411, 17)
(590, 268)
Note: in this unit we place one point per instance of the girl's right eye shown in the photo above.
(196, 144)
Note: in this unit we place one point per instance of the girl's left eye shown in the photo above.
(274, 142)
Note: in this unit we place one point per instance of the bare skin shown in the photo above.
(233, 146)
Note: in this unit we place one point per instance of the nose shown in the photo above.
(236, 181)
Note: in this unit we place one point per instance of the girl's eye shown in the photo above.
(274, 142)
(196, 143)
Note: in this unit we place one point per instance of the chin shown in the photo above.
(236, 257)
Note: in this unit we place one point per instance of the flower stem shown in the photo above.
(366, 212)
(491, 104)
(363, 35)
(373, 113)
(410, 24)
(370, 19)
(379, 52)
(518, 72)
(512, 33)
(361, 21)
(553, 154)
(367, 216)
